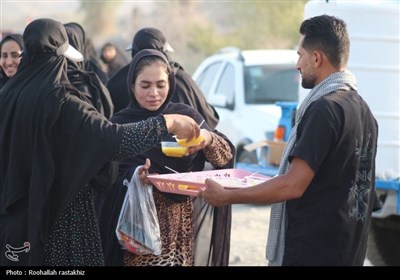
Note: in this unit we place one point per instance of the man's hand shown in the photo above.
(214, 194)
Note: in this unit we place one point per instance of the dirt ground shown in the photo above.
(249, 235)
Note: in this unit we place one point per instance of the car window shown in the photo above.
(266, 84)
(207, 77)
(226, 85)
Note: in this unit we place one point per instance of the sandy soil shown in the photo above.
(249, 235)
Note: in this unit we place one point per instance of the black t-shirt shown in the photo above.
(328, 225)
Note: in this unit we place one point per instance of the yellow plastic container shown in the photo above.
(172, 149)
(193, 142)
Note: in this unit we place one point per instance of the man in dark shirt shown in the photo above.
(325, 191)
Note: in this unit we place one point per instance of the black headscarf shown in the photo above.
(77, 38)
(11, 37)
(51, 143)
(88, 83)
(215, 236)
(134, 113)
(117, 62)
(186, 92)
(85, 47)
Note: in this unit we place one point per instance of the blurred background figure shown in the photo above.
(113, 58)
(10, 48)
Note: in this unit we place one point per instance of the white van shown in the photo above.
(244, 86)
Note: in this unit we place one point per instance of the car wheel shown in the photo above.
(384, 242)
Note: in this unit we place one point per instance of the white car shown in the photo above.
(243, 86)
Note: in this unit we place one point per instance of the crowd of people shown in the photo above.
(71, 132)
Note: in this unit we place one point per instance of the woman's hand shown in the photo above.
(144, 171)
(207, 141)
(182, 126)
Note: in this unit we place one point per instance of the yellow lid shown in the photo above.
(171, 149)
(193, 142)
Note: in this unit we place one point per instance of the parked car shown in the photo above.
(244, 86)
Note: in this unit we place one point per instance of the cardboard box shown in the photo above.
(275, 151)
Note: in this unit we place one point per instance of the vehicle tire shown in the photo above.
(384, 241)
(247, 157)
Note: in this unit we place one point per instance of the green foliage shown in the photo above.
(98, 16)
(204, 39)
(255, 25)
(246, 25)
(197, 29)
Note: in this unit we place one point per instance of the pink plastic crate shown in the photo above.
(190, 183)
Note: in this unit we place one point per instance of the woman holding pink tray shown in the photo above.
(192, 232)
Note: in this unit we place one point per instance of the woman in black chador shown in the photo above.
(192, 232)
(52, 143)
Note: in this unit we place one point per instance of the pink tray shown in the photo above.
(190, 183)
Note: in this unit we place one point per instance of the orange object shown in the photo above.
(279, 133)
(172, 149)
(193, 142)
